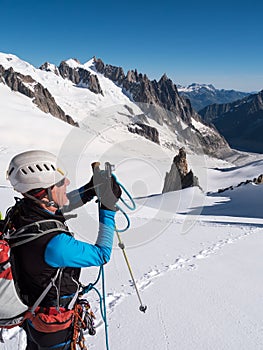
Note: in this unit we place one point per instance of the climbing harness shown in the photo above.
(83, 320)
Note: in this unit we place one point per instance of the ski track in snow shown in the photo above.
(180, 263)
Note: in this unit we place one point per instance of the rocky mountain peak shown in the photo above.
(202, 95)
(113, 73)
(163, 78)
(78, 75)
(197, 86)
(161, 102)
(144, 91)
(48, 67)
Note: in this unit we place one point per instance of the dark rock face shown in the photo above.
(17, 81)
(81, 77)
(240, 122)
(211, 112)
(162, 93)
(68, 73)
(179, 177)
(46, 102)
(145, 130)
(113, 73)
(26, 85)
(49, 68)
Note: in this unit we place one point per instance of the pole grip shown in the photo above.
(95, 166)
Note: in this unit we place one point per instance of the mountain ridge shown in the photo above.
(80, 90)
(202, 95)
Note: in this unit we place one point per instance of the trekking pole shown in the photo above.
(122, 247)
(109, 168)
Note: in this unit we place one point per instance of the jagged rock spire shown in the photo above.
(179, 177)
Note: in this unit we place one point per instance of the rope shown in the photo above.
(102, 298)
(104, 308)
(101, 275)
(131, 207)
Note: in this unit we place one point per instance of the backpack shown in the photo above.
(13, 311)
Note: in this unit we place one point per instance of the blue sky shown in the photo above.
(218, 42)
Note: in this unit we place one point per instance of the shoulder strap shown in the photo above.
(24, 235)
(45, 291)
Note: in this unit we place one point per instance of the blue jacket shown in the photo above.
(39, 259)
(66, 251)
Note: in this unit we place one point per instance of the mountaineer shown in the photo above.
(43, 247)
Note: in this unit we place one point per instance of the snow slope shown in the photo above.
(197, 258)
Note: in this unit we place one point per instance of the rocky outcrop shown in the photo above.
(27, 86)
(79, 76)
(46, 102)
(179, 177)
(18, 82)
(147, 131)
(113, 73)
(257, 180)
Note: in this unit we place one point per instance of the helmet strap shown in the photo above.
(50, 202)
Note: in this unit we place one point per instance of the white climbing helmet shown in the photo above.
(34, 169)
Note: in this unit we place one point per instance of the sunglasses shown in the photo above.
(61, 183)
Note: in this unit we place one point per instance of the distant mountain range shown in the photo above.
(151, 109)
(240, 122)
(202, 95)
(158, 111)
